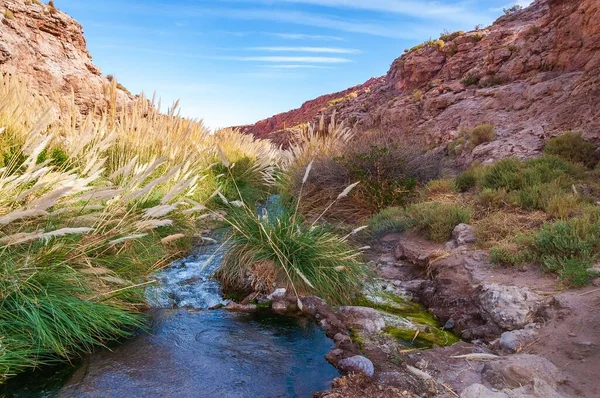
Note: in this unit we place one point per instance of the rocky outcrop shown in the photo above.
(532, 74)
(47, 46)
(308, 111)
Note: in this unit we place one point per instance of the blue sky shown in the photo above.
(234, 62)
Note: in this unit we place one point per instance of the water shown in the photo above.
(194, 352)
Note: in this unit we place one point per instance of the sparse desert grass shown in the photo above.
(481, 134)
(392, 219)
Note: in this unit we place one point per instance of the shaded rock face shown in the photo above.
(47, 46)
(532, 75)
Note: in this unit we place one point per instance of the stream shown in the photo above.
(191, 351)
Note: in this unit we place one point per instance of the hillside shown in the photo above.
(532, 74)
(47, 46)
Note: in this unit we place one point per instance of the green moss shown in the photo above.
(357, 338)
(427, 337)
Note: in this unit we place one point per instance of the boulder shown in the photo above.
(519, 370)
(481, 391)
(510, 307)
(356, 364)
(278, 294)
(363, 318)
(463, 234)
(416, 250)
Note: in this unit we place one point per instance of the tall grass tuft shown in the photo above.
(286, 250)
(90, 207)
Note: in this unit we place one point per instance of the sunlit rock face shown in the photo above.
(532, 74)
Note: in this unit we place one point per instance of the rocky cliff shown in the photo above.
(532, 74)
(48, 46)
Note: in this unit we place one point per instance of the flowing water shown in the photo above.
(191, 351)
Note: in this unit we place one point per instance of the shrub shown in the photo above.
(466, 180)
(471, 80)
(392, 219)
(456, 147)
(509, 254)
(8, 14)
(481, 134)
(506, 173)
(242, 180)
(573, 147)
(511, 10)
(492, 198)
(437, 220)
(307, 258)
(448, 36)
(569, 248)
(444, 186)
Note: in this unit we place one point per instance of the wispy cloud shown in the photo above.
(418, 9)
(295, 66)
(286, 59)
(330, 50)
(301, 36)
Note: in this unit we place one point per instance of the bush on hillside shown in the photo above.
(437, 220)
(481, 134)
(573, 147)
(392, 219)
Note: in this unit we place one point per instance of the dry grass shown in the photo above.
(89, 207)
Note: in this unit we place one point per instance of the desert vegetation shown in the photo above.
(91, 206)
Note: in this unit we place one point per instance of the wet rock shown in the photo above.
(280, 307)
(278, 294)
(519, 370)
(463, 234)
(356, 364)
(363, 318)
(315, 307)
(510, 307)
(481, 391)
(334, 356)
(235, 307)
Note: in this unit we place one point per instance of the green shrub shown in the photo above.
(492, 198)
(437, 220)
(445, 186)
(509, 254)
(574, 148)
(569, 248)
(392, 219)
(466, 180)
(448, 36)
(481, 134)
(506, 173)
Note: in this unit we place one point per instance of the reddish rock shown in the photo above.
(539, 75)
(48, 46)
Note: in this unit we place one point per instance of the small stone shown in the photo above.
(449, 324)
(356, 364)
(571, 334)
(278, 294)
(280, 307)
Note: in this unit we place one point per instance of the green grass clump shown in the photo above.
(481, 134)
(308, 258)
(392, 219)
(437, 220)
(568, 248)
(574, 148)
(471, 80)
(243, 180)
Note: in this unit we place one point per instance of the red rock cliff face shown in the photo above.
(532, 74)
(308, 111)
(48, 46)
